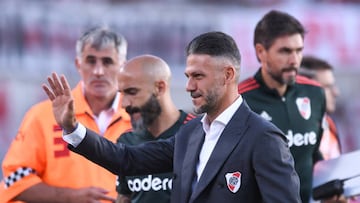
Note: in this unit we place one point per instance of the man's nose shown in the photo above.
(99, 69)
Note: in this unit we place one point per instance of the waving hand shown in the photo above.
(59, 93)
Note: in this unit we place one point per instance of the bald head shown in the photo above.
(147, 67)
(144, 77)
(144, 84)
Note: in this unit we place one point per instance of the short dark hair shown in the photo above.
(215, 44)
(311, 64)
(275, 24)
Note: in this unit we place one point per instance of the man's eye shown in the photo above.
(131, 91)
(91, 61)
(198, 76)
(107, 61)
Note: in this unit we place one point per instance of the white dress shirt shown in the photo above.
(212, 133)
(104, 118)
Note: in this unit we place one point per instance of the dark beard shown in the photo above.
(149, 113)
(279, 77)
(210, 104)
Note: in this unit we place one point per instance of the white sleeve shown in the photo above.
(75, 137)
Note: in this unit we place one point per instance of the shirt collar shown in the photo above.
(225, 116)
(115, 103)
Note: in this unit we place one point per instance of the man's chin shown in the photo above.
(199, 109)
(197, 102)
(135, 116)
(137, 126)
(290, 81)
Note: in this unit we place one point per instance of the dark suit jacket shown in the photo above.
(249, 146)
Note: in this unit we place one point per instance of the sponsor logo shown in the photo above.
(304, 107)
(149, 183)
(299, 139)
(266, 116)
(233, 181)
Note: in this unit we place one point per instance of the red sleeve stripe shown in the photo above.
(332, 125)
(247, 85)
(306, 81)
(189, 117)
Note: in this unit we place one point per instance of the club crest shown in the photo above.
(233, 181)
(304, 107)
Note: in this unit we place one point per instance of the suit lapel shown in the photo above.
(228, 140)
(191, 158)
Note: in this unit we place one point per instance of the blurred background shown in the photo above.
(38, 37)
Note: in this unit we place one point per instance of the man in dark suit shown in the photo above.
(229, 154)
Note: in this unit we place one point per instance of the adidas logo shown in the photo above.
(266, 116)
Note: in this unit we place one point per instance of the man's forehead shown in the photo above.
(129, 79)
(127, 84)
(294, 41)
(105, 51)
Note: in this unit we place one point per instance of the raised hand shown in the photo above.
(62, 100)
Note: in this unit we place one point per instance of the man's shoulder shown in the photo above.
(247, 85)
(309, 86)
(41, 109)
(186, 117)
(125, 136)
(305, 82)
(191, 122)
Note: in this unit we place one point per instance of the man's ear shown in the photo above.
(77, 63)
(229, 73)
(260, 51)
(160, 87)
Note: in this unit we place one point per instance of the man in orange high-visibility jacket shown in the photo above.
(38, 166)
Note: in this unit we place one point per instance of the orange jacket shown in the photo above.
(38, 146)
(330, 144)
